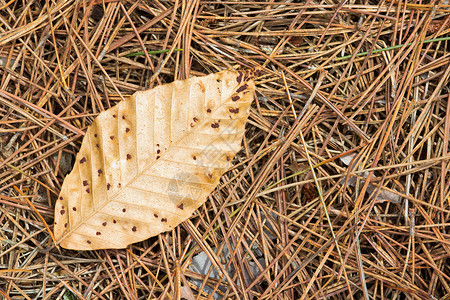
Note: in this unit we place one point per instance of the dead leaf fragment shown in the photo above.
(146, 164)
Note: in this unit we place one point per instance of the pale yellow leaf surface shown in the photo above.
(146, 164)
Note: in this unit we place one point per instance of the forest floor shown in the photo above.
(341, 189)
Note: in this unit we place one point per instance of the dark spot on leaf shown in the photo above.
(158, 151)
(228, 158)
(119, 185)
(157, 145)
(114, 221)
(158, 157)
(163, 220)
(85, 183)
(134, 228)
(234, 110)
(123, 117)
(127, 129)
(242, 88)
(60, 198)
(108, 186)
(235, 98)
(192, 124)
(88, 190)
(74, 208)
(208, 110)
(88, 241)
(62, 211)
(124, 209)
(104, 223)
(156, 215)
(194, 157)
(114, 116)
(62, 206)
(215, 125)
(98, 233)
(195, 119)
(95, 135)
(181, 206)
(218, 80)
(99, 171)
(210, 175)
(128, 156)
(111, 137)
(97, 145)
(65, 225)
(83, 160)
(239, 78)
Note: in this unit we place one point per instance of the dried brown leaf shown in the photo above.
(147, 163)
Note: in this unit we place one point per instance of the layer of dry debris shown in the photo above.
(341, 190)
